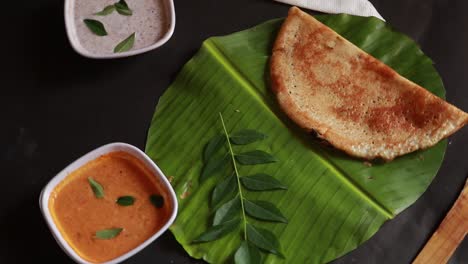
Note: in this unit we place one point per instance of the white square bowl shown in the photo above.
(76, 45)
(45, 195)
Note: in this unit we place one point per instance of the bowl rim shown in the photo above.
(108, 148)
(73, 36)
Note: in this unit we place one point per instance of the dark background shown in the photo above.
(55, 106)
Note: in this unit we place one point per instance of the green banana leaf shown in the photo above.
(334, 202)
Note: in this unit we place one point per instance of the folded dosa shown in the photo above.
(355, 102)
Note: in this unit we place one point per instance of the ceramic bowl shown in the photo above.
(168, 7)
(45, 195)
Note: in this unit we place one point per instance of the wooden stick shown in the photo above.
(449, 235)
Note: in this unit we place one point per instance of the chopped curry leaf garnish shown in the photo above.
(122, 8)
(108, 233)
(125, 200)
(97, 188)
(96, 27)
(106, 11)
(157, 200)
(125, 44)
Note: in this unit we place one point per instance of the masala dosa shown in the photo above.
(355, 102)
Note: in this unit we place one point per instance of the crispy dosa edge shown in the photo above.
(287, 104)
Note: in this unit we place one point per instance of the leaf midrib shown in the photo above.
(231, 68)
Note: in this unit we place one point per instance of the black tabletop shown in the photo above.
(56, 105)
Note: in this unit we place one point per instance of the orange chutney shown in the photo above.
(78, 214)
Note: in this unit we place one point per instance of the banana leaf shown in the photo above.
(334, 202)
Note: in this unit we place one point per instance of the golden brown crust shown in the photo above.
(357, 103)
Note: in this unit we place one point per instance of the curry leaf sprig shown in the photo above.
(228, 198)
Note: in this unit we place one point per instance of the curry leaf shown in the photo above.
(264, 239)
(122, 8)
(97, 188)
(255, 157)
(106, 11)
(108, 233)
(262, 182)
(223, 189)
(247, 254)
(218, 231)
(246, 136)
(213, 146)
(213, 166)
(157, 200)
(264, 210)
(125, 200)
(96, 27)
(228, 211)
(126, 44)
